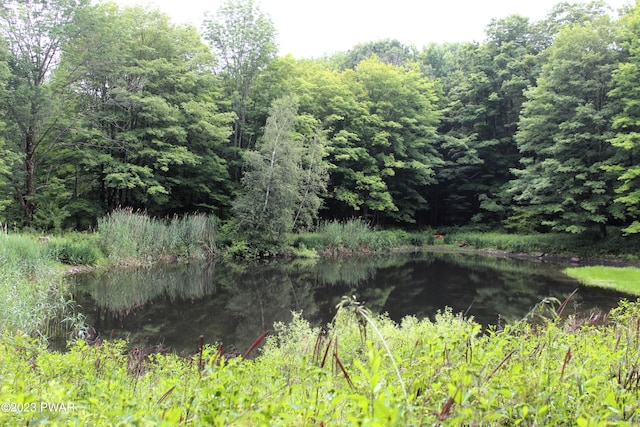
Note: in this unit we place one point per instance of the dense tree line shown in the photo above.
(535, 128)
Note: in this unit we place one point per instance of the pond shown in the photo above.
(235, 303)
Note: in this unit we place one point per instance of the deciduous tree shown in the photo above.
(153, 135)
(33, 105)
(281, 180)
(483, 94)
(626, 89)
(383, 147)
(563, 183)
(243, 39)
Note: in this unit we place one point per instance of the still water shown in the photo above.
(234, 303)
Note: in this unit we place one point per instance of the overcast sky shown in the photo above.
(311, 28)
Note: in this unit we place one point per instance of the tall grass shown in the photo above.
(355, 236)
(24, 255)
(31, 290)
(133, 237)
(351, 234)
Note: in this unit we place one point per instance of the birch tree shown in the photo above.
(282, 179)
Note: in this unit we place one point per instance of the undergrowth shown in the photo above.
(338, 237)
(360, 370)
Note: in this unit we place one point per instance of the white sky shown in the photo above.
(311, 28)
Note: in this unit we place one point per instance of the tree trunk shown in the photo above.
(25, 197)
(603, 231)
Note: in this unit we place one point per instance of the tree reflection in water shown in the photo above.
(234, 303)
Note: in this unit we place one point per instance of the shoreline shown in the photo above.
(565, 259)
(573, 260)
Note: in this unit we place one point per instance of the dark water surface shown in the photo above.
(233, 303)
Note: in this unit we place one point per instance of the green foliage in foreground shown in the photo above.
(443, 372)
(621, 279)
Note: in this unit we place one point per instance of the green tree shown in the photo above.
(626, 89)
(567, 14)
(275, 81)
(153, 137)
(33, 105)
(274, 181)
(397, 127)
(315, 173)
(5, 154)
(483, 90)
(380, 122)
(563, 137)
(243, 39)
(265, 211)
(389, 51)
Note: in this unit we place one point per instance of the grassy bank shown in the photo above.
(337, 237)
(621, 279)
(362, 371)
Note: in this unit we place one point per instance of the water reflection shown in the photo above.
(235, 303)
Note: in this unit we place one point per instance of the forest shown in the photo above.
(535, 129)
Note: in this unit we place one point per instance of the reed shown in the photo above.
(344, 234)
(24, 254)
(30, 307)
(355, 235)
(134, 237)
(255, 344)
(338, 363)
